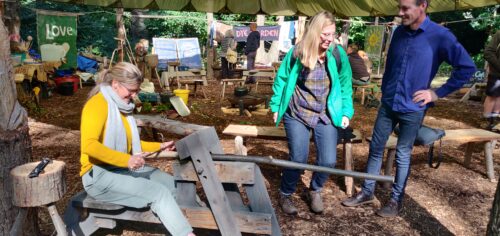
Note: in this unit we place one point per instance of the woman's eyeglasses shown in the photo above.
(329, 35)
(130, 91)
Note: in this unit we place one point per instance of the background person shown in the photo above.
(253, 43)
(227, 42)
(417, 48)
(360, 75)
(113, 168)
(492, 101)
(311, 95)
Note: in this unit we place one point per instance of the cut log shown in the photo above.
(47, 188)
(171, 126)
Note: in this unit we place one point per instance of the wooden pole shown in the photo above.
(300, 28)
(261, 51)
(380, 55)
(210, 50)
(121, 34)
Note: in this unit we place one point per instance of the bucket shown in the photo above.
(182, 93)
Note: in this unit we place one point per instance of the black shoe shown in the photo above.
(392, 209)
(358, 199)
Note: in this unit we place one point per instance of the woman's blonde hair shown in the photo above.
(307, 49)
(123, 72)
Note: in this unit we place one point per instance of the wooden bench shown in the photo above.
(254, 218)
(241, 131)
(225, 82)
(468, 136)
(363, 89)
(265, 77)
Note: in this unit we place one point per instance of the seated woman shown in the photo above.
(112, 155)
(360, 75)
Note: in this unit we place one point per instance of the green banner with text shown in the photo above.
(57, 37)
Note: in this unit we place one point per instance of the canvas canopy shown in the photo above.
(285, 7)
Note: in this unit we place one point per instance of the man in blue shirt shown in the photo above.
(417, 49)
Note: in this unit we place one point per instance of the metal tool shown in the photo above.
(39, 168)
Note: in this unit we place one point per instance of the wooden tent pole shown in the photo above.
(120, 34)
(210, 50)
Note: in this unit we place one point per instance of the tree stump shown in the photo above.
(44, 190)
(47, 188)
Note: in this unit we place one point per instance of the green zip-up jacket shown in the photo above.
(339, 101)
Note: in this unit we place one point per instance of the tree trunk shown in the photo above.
(120, 34)
(494, 224)
(15, 143)
(12, 20)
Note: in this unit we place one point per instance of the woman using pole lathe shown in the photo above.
(112, 155)
(312, 93)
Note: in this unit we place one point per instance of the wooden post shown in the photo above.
(261, 52)
(210, 50)
(120, 34)
(300, 28)
(15, 143)
(493, 227)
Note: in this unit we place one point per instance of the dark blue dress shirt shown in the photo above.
(413, 59)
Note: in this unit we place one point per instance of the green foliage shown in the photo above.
(483, 19)
(162, 107)
(178, 25)
(357, 31)
(146, 107)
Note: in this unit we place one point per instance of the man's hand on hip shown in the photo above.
(424, 96)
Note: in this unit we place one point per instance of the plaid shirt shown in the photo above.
(308, 103)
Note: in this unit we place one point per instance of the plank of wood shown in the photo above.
(270, 131)
(455, 135)
(470, 135)
(234, 196)
(172, 126)
(198, 217)
(260, 201)
(254, 131)
(199, 147)
(228, 172)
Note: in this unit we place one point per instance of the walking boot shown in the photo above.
(358, 199)
(315, 201)
(392, 209)
(287, 205)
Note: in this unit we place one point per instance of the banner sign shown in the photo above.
(374, 38)
(57, 37)
(186, 51)
(267, 33)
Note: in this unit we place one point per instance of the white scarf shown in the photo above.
(116, 137)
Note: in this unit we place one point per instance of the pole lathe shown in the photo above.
(287, 164)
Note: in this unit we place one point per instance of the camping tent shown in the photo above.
(285, 7)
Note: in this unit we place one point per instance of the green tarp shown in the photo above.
(285, 7)
(57, 37)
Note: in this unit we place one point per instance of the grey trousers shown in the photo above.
(146, 187)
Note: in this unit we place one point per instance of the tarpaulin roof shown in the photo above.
(285, 7)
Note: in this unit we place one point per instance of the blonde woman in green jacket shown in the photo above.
(312, 94)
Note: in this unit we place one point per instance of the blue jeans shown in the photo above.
(325, 140)
(409, 123)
